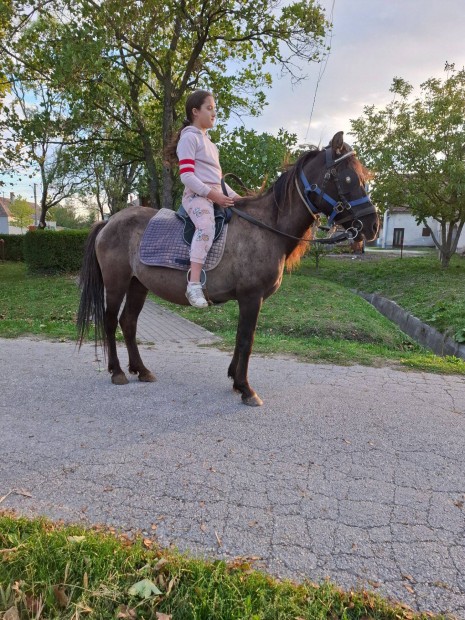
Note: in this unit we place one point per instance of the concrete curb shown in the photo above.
(422, 333)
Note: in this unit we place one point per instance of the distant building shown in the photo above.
(400, 229)
(4, 219)
(7, 227)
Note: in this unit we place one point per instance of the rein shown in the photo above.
(350, 233)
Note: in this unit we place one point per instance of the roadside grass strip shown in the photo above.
(50, 570)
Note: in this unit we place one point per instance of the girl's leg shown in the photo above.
(201, 213)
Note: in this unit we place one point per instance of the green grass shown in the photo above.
(419, 284)
(52, 571)
(37, 305)
(314, 315)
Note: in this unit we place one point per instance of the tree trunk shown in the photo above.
(445, 258)
(153, 185)
(168, 120)
(43, 210)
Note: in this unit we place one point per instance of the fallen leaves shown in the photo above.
(148, 543)
(126, 613)
(11, 614)
(75, 539)
(61, 597)
(144, 589)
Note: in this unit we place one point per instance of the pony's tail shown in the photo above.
(92, 303)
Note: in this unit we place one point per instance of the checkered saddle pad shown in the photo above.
(163, 244)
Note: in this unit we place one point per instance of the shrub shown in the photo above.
(49, 251)
(12, 247)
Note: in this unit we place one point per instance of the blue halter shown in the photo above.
(337, 206)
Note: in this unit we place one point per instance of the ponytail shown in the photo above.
(170, 156)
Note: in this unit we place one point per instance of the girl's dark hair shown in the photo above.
(195, 100)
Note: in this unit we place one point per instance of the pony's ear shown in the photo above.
(338, 142)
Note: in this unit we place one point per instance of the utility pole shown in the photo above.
(35, 204)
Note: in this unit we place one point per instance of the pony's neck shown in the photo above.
(294, 219)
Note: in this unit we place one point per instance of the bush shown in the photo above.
(12, 247)
(49, 251)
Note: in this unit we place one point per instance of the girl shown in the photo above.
(200, 172)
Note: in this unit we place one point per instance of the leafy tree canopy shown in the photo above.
(416, 148)
(126, 66)
(21, 212)
(256, 158)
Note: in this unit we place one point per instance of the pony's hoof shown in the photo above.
(147, 377)
(119, 379)
(253, 401)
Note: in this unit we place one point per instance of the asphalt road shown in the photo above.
(356, 474)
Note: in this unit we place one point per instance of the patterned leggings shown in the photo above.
(201, 212)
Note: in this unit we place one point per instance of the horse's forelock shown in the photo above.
(364, 174)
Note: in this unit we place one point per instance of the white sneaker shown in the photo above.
(195, 295)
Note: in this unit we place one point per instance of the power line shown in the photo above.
(321, 71)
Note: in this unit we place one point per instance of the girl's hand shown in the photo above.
(220, 199)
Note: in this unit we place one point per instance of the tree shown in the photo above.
(39, 128)
(6, 13)
(416, 148)
(134, 62)
(21, 211)
(257, 159)
(67, 217)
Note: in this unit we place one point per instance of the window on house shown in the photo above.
(425, 232)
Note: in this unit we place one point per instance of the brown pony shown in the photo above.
(251, 268)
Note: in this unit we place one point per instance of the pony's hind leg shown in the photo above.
(112, 306)
(249, 308)
(135, 299)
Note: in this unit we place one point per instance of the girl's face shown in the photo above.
(204, 117)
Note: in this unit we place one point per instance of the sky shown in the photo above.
(372, 42)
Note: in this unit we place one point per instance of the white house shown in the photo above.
(6, 226)
(400, 229)
(4, 220)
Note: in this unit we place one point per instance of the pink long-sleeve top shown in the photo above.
(199, 163)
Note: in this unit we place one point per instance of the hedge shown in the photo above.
(12, 247)
(50, 251)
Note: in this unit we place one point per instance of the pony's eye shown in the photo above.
(348, 179)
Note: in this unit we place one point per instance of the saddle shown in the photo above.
(222, 217)
(167, 238)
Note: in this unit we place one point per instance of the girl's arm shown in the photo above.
(186, 150)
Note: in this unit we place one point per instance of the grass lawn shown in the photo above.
(52, 571)
(419, 284)
(314, 315)
(37, 305)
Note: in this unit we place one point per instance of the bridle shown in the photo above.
(336, 207)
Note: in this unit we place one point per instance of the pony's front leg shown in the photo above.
(249, 308)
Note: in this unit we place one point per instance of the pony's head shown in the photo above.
(333, 181)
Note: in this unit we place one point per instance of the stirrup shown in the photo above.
(203, 276)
